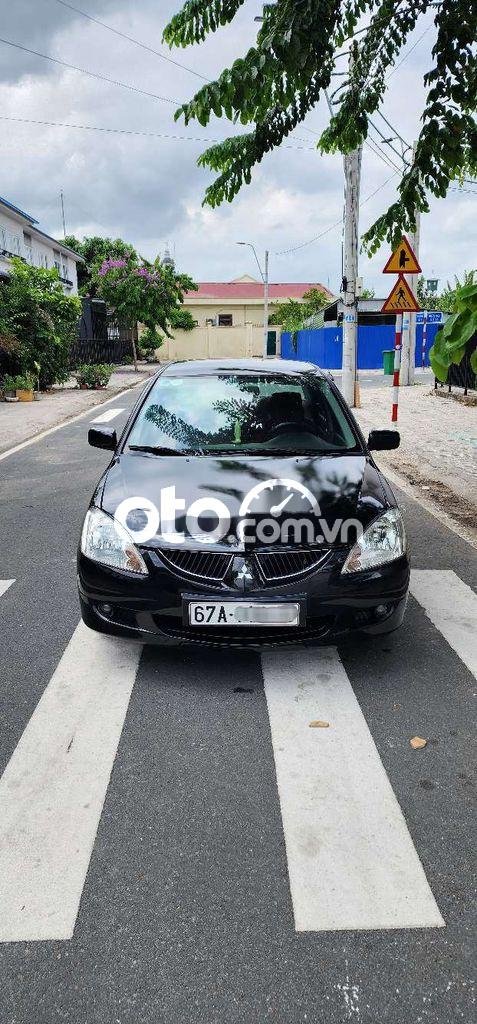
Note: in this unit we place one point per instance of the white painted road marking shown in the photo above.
(351, 860)
(452, 607)
(107, 416)
(4, 586)
(53, 789)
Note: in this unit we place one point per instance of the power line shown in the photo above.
(388, 142)
(385, 159)
(131, 39)
(91, 74)
(129, 131)
(283, 252)
(408, 52)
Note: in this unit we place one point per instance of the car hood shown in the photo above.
(343, 485)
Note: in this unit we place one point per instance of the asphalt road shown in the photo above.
(200, 898)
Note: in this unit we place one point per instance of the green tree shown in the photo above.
(292, 314)
(446, 301)
(281, 78)
(41, 319)
(94, 251)
(289, 315)
(141, 292)
(452, 340)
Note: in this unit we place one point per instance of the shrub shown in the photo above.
(149, 341)
(42, 320)
(94, 375)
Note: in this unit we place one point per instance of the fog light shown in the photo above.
(105, 609)
(382, 610)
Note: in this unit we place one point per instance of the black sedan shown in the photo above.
(242, 507)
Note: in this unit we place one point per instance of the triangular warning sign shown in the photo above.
(401, 299)
(402, 261)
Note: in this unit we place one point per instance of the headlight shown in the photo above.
(105, 540)
(383, 541)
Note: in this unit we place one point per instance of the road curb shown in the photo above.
(443, 517)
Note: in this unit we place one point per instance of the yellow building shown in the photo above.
(229, 319)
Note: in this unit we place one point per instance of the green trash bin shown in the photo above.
(388, 361)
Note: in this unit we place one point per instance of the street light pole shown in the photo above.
(265, 307)
(264, 276)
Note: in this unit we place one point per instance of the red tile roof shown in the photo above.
(243, 290)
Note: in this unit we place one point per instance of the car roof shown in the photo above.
(211, 367)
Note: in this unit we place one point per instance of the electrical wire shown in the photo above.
(283, 252)
(91, 74)
(131, 39)
(129, 131)
(385, 159)
(408, 52)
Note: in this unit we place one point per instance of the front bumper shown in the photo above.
(150, 609)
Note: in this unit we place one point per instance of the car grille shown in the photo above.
(207, 565)
(279, 565)
(273, 566)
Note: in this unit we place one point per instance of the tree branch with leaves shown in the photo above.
(281, 79)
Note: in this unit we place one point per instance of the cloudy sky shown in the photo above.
(147, 188)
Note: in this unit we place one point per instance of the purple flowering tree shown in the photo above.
(148, 293)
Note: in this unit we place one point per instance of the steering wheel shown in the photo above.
(292, 427)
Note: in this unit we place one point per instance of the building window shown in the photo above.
(57, 262)
(225, 320)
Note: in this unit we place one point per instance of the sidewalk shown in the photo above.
(438, 451)
(19, 421)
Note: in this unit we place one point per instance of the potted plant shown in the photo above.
(9, 387)
(24, 387)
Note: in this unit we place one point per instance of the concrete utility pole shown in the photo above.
(352, 174)
(408, 362)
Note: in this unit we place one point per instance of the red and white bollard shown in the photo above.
(424, 339)
(397, 366)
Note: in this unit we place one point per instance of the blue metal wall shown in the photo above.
(324, 346)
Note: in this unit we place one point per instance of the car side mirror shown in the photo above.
(103, 437)
(383, 440)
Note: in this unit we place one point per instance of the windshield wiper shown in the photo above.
(158, 450)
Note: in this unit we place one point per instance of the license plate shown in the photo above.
(243, 613)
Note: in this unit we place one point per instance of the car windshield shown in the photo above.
(242, 413)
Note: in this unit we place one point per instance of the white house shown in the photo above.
(20, 236)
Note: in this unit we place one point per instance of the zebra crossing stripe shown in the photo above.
(53, 789)
(351, 860)
(107, 416)
(4, 586)
(452, 607)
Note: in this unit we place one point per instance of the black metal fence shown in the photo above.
(101, 339)
(461, 375)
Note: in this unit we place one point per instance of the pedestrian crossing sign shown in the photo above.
(401, 299)
(403, 260)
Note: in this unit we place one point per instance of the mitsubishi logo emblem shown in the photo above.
(244, 573)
